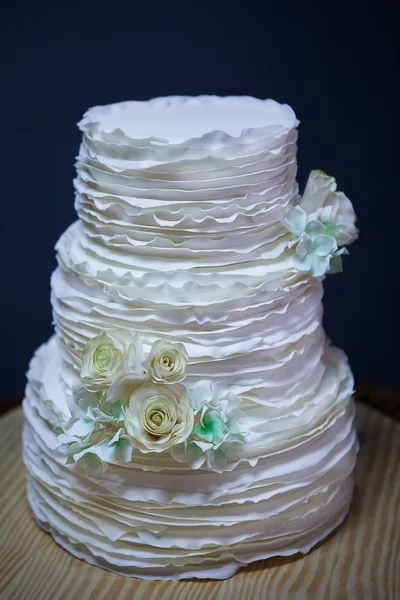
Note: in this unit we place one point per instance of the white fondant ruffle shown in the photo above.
(181, 203)
(155, 519)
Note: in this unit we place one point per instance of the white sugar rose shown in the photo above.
(109, 356)
(158, 417)
(324, 203)
(167, 362)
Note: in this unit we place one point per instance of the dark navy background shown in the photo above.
(334, 64)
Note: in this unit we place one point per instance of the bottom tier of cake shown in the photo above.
(173, 522)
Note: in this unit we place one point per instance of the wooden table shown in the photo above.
(360, 560)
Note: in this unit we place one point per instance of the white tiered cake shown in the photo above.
(189, 417)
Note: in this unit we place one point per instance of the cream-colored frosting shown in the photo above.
(180, 236)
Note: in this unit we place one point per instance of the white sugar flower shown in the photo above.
(95, 431)
(322, 202)
(167, 362)
(158, 417)
(315, 254)
(321, 222)
(109, 356)
(217, 425)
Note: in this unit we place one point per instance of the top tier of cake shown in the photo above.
(208, 198)
(205, 121)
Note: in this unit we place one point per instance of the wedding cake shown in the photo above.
(189, 416)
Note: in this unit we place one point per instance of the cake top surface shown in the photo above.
(179, 118)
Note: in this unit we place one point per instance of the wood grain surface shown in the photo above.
(360, 560)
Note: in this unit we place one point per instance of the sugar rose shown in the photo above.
(108, 356)
(158, 417)
(332, 208)
(167, 362)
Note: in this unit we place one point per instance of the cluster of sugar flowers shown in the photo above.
(127, 401)
(322, 222)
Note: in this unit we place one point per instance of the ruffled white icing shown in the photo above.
(202, 122)
(288, 486)
(180, 236)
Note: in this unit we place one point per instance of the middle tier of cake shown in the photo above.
(260, 323)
